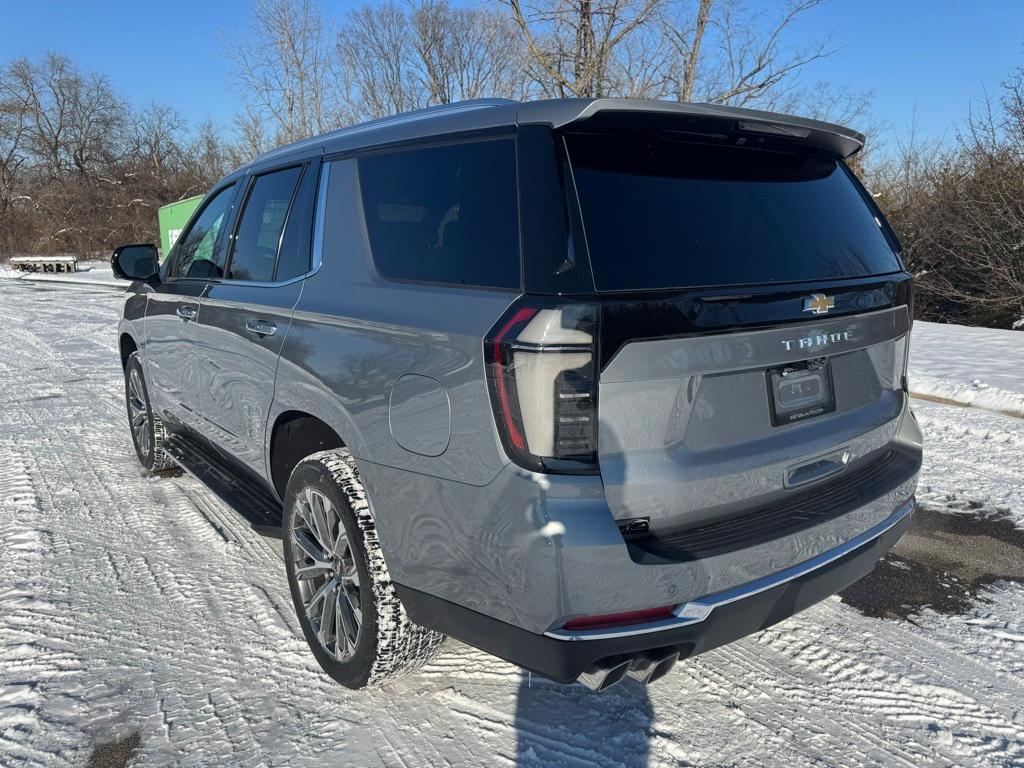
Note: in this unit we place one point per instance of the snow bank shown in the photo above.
(89, 273)
(979, 367)
(976, 394)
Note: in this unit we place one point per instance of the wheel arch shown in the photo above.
(294, 435)
(127, 345)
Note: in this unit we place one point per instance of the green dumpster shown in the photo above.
(173, 218)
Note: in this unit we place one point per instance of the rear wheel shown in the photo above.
(346, 604)
(148, 432)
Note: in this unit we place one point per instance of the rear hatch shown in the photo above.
(754, 319)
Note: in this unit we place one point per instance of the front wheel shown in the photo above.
(346, 604)
(148, 432)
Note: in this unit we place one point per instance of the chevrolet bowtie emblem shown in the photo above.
(819, 303)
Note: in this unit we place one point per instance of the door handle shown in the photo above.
(187, 311)
(260, 327)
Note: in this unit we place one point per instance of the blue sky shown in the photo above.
(935, 57)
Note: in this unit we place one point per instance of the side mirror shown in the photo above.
(135, 262)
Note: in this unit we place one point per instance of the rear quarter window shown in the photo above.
(664, 213)
(444, 214)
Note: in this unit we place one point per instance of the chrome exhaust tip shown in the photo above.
(604, 674)
(651, 666)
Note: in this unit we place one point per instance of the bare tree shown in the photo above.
(73, 119)
(959, 211)
(375, 47)
(467, 53)
(79, 169)
(730, 53)
(396, 58)
(687, 40)
(716, 51)
(13, 136)
(285, 70)
(207, 158)
(70, 128)
(251, 132)
(639, 69)
(576, 45)
(155, 140)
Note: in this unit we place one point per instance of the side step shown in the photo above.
(234, 485)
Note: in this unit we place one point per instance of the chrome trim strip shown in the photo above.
(527, 346)
(318, 246)
(698, 610)
(319, 216)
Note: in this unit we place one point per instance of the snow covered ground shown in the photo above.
(141, 609)
(980, 367)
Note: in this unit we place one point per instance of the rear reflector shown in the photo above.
(620, 619)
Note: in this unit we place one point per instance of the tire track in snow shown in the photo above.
(892, 687)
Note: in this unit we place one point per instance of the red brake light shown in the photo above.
(520, 316)
(619, 619)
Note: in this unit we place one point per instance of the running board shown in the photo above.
(233, 484)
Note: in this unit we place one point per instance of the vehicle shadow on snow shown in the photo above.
(558, 724)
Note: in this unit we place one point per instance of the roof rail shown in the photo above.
(384, 122)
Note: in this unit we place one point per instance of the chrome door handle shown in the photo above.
(187, 312)
(260, 327)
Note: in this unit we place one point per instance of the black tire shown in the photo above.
(387, 644)
(148, 433)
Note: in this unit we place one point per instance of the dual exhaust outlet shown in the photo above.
(645, 667)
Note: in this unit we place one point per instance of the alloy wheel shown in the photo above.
(325, 569)
(138, 412)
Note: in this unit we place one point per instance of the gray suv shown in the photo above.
(592, 385)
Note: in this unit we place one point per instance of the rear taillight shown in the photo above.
(540, 369)
(621, 619)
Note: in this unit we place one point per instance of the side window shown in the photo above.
(444, 214)
(194, 251)
(298, 232)
(258, 238)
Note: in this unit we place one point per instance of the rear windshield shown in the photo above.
(663, 213)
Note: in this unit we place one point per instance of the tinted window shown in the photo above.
(194, 251)
(444, 214)
(295, 245)
(258, 237)
(660, 213)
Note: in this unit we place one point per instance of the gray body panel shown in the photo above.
(685, 432)
(354, 335)
(170, 358)
(239, 364)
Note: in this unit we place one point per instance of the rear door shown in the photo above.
(172, 310)
(245, 316)
(753, 326)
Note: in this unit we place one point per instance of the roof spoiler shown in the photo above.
(746, 125)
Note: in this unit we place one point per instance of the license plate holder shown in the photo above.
(800, 391)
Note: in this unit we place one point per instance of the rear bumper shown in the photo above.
(698, 626)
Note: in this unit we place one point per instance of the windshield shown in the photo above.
(659, 212)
